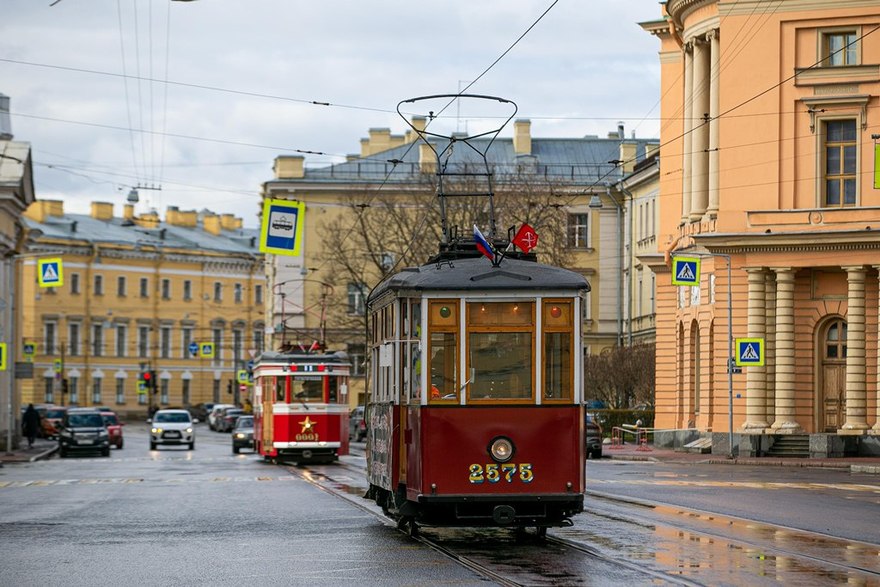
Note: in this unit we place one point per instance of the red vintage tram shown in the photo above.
(301, 406)
(475, 404)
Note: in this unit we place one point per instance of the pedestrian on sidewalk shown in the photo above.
(30, 424)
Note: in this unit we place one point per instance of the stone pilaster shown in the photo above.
(785, 415)
(876, 428)
(856, 395)
(770, 345)
(714, 110)
(687, 168)
(756, 382)
(700, 133)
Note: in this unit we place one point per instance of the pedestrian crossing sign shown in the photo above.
(685, 271)
(206, 350)
(49, 273)
(242, 376)
(2, 356)
(750, 352)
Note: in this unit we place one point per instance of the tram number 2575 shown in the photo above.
(493, 473)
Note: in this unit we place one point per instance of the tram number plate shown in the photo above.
(493, 473)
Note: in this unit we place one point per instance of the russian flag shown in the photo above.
(482, 244)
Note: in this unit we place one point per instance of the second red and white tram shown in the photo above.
(301, 406)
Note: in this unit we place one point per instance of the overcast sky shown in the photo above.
(200, 97)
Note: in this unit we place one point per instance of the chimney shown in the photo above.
(228, 222)
(5, 122)
(620, 134)
(171, 215)
(380, 140)
(427, 159)
(128, 212)
(627, 156)
(41, 210)
(365, 147)
(102, 210)
(522, 138)
(211, 224)
(289, 167)
(148, 220)
(419, 123)
(651, 148)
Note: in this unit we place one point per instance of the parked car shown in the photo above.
(201, 411)
(114, 428)
(357, 424)
(82, 429)
(226, 420)
(215, 412)
(172, 427)
(52, 420)
(593, 436)
(243, 433)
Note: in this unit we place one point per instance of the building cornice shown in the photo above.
(791, 242)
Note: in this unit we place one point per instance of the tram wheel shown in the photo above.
(541, 532)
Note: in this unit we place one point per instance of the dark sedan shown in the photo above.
(243, 434)
(593, 436)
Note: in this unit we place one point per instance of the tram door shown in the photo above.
(834, 376)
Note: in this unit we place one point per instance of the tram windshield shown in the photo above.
(501, 364)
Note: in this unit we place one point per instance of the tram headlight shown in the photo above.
(501, 449)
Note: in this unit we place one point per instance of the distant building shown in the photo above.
(141, 293)
(769, 135)
(16, 194)
(579, 178)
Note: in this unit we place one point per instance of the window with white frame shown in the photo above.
(165, 342)
(218, 345)
(237, 293)
(186, 392)
(74, 283)
(121, 340)
(73, 339)
(49, 328)
(99, 285)
(258, 337)
(144, 291)
(357, 356)
(356, 298)
(120, 286)
(237, 344)
(578, 231)
(96, 391)
(73, 390)
(840, 151)
(218, 291)
(120, 391)
(166, 289)
(143, 341)
(49, 389)
(187, 289)
(98, 340)
(186, 339)
(258, 294)
(163, 391)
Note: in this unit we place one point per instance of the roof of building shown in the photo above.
(83, 227)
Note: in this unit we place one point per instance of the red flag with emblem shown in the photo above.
(526, 238)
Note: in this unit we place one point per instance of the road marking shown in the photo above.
(131, 480)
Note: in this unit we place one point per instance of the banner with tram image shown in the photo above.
(379, 429)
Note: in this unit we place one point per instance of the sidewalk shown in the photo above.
(42, 449)
(632, 452)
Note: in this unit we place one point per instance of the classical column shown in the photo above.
(856, 396)
(756, 383)
(876, 428)
(785, 414)
(686, 167)
(700, 134)
(714, 110)
(770, 345)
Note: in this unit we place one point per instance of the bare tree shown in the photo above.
(622, 376)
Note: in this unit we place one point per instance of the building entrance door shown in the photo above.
(833, 396)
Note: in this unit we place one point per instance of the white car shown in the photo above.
(215, 412)
(172, 427)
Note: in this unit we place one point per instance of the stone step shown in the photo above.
(699, 446)
(797, 446)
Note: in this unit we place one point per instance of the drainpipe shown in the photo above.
(629, 327)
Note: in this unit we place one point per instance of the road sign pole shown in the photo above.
(730, 359)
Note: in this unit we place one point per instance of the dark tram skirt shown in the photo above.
(495, 510)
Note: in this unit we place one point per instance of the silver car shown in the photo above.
(172, 427)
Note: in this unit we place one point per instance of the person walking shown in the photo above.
(30, 424)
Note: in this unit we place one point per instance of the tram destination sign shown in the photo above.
(282, 227)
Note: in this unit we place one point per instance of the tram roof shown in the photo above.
(338, 357)
(478, 274)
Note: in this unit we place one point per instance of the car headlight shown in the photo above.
(156, 430)
(189, 430)
(239, 435)
(102, 433)
(65, 433)
(501, 449)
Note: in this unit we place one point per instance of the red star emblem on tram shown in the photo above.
(307, 426)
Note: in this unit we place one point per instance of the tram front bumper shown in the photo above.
(500, 510)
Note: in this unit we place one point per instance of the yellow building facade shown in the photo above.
(770, 121)
(180, 296)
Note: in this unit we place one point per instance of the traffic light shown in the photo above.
(147, 378)
(229, 387)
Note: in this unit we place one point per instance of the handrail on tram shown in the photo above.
(640, 434)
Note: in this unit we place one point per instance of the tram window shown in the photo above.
(501, 364)
(280, 389)
(309, 390)
(415, 351)
(557, 365)
(333, 388)
(443, 366)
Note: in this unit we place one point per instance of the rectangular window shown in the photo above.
(165, 342)
(500, 350)
(215, 391)
(74, 283)
(442, 350)
(578, 230)
(237, 293)
(99, 285)
(840, 152)
(120, 392)
(187, 338)
(187, 290)
(73, 390)
(96, 391)
(166, 289)
(186, 399)
(258, 294)
(49, 389)
(558, 354)
(840, 48)
(120, 286)
(237, 344)
(49, 337)
(163, 391)
(218, 291)
(357, 356)
(144, 288)
(218, 344)
(73, 339)
(143, 341)
(121, 342)
(356, 298)
(258, 339)
(98, 340)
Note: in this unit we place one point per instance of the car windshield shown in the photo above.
(245, 422)
(110, 419)
(85, 421)
(175, 417)
(55, 413)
